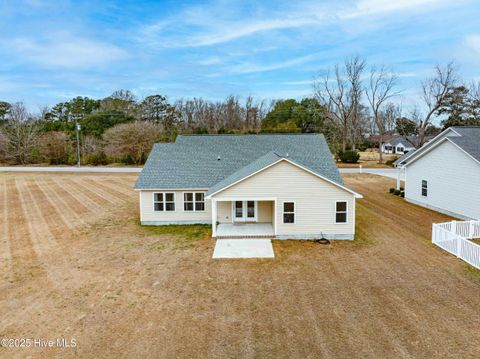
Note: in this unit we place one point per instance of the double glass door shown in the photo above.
(245, 211)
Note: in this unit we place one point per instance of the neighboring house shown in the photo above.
(248, 186)
(398, 145)
(444, 174)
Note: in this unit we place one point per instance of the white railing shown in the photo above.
(454, 237)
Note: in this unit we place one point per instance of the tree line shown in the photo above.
(350, 102)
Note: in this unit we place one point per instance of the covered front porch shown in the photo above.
(245, 230)
(243, 218)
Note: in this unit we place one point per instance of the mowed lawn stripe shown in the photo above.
(73, 202)
(97, 195)
(5, 253)
(110, 189)
(51, 212)
(80, 195)
(68, 212)
(25, 251)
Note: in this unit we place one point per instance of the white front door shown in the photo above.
(245, 211)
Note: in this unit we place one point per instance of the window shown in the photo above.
(400, 149)
(164, 202)
(424, 188)
(193, 201)
(341, 212)
(288, 212)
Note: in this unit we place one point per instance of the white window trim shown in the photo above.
(165, 201)
(294, 212)
(335, 212)
(244, 209)
(194, 210)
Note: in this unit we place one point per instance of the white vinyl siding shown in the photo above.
(452, 179)
(147, 213)
(314, 199)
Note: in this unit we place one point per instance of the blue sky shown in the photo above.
(54, 50)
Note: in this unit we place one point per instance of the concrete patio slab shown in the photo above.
(243, 248)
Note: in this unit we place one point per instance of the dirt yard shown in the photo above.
(75, 263)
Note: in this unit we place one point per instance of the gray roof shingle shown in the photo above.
(202, 161)
(469, 140)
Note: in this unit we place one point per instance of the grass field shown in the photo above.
(75, 263)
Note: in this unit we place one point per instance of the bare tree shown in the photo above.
(55, 147)
(3, 145)
(379, 90)
(434, 92)
(341, 95)
(22, 132)
(354, 68)
(132, 140)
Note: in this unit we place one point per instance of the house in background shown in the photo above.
(248, 186)
(444, 174)
(397, 145)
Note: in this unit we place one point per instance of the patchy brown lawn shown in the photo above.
(74, 263)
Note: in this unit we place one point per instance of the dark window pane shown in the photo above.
(424, 192)
(341, 217)
(188, 206)
(169, 197)
(188, 197)
(289, 207)
(170, 206)
(199, 197)
(159, 206)
(341, 206)
(158, 197)
(288, 218)
(250, 209)
(199, 206)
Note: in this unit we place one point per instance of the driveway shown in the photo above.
(243, 248)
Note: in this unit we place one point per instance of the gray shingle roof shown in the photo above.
(403, 158)
(469, 140)
(202, 161)
(399, 139)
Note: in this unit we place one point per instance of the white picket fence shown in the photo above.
(454, 237)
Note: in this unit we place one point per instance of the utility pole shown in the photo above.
(77, 128)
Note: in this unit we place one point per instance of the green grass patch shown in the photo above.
(187, 231)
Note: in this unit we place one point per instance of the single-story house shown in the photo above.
(283, 186)
(398, 145)
(444, 174)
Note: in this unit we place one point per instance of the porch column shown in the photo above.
(214, 217)
(399, 172)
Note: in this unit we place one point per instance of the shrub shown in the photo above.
(397, 192)
(392, 190)
(402, 194)
(349, 156)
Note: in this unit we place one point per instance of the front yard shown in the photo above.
(75, 263)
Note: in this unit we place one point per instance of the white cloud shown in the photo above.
(247, 68)
(66, 51)
(375, 7)
(473, 43)
(206, 26)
